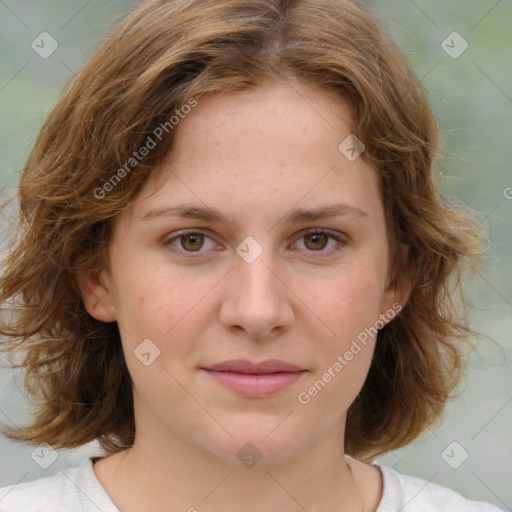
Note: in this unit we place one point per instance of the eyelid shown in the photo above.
(176, 235)
(341, 238)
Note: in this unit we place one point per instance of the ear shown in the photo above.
(96, 294)
(398, 291)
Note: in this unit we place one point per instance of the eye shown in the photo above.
(189, 241)
(192, 241)
(316, 240)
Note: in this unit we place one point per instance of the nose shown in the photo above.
(256, 298)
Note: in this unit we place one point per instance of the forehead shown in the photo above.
(267, 149)
(278, 118)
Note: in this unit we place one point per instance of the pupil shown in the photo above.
(193, 239)
(315, 239)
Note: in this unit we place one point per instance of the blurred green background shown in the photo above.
(471, 95)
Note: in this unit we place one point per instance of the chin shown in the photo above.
(258, 443)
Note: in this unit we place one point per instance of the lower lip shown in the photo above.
(256, 385)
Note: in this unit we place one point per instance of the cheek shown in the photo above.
(350, 310)
(149, 295)
(343, 360)
(146, 306)
(164, 306)
(348, 302)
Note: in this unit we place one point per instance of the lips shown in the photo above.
(245, 366)
(255, 379)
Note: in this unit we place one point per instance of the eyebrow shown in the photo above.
(209, 214)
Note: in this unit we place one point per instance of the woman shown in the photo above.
(249, 278)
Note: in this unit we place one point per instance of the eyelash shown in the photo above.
(191, 254)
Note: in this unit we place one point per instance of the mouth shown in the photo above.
(255, 379)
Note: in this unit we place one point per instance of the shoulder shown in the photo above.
(72, 489)
(50, 493)
(411, 494)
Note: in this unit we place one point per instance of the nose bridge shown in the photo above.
(256, 299)
(257, 281)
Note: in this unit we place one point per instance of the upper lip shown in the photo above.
(246, 366)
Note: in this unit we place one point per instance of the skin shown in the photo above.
(255, 155)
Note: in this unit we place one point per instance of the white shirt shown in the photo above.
(78, 490)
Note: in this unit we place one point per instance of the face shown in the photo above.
(257, 240)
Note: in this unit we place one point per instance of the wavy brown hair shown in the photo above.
(162, 56)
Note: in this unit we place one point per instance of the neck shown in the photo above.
(157, 472)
